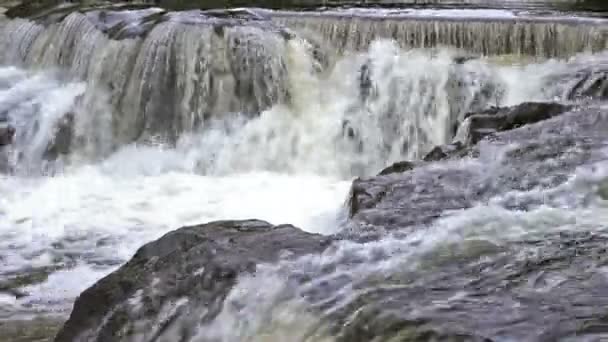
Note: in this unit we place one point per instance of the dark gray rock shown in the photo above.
(7, 133)
(64, 135)
(39, 329)
(200, 264)
(445, 151)
(583, 80)
(545, 288)
(540, 155)
(504, 296)
(480, 125)
(477, 126)
(398, 167)
(592, 84)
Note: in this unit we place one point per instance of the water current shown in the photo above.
(187, 124)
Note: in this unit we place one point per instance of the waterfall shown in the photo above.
(166, 81)
(487, 36)
(236, 91)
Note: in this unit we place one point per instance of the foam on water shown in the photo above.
(100, 215)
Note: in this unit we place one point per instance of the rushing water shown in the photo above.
(188, 125)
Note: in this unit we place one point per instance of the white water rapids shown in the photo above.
(88, 212)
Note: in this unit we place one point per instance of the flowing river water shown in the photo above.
(185, 122)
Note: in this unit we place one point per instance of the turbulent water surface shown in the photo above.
(125, 134)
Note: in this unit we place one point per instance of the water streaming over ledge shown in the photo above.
(487, 32)
(154, 77)
(124, 134)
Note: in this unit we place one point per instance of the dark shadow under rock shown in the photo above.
(200, 264)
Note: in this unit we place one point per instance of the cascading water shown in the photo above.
(127, 129)
(483, 32)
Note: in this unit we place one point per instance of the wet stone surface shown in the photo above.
(540, 156)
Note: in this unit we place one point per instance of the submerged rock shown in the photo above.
(190, 269)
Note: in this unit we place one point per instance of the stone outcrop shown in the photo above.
(190, 268)
(536, 155)
(480, 125)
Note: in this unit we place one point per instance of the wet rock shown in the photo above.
(593, 84)
(582, 81)
(540, 155)
(545, 290)
(7, 133)
(366, 85)
(463, 59)
(14, 283)
(30, 8)
(398, 167)
(62, 143)
(126, 24)
(480, 125)
(444, 152)
(38, 329)
(192, 268)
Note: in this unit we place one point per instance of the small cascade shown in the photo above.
(54, 120)
(188, 67)
(489, 36)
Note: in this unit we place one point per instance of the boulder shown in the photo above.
(191, 268)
